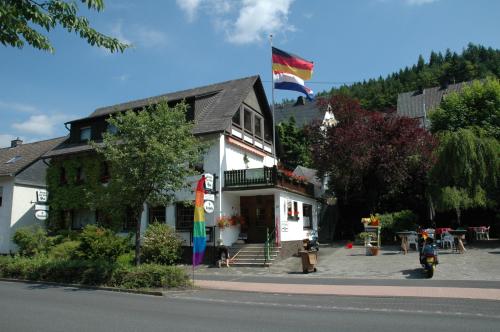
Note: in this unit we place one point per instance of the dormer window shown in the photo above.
(258, 126)
(247, 119)
(13, 160)
(85, 134)
(237, 118)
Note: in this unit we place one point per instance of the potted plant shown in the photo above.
(370, 250)
(223, 221)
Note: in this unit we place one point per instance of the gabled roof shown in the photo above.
(303, 111)
(14, 160)
(411, 104)
(308, 173)
(215, 104)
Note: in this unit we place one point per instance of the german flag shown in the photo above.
(284, 62)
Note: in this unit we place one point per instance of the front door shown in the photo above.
(258, 211)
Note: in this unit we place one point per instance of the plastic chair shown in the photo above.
(412, 239)
(448, 239)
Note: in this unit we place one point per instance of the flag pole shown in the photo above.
(272, 102)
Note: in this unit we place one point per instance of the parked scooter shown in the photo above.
(428, 256)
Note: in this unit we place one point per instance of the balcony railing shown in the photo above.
(266, 176)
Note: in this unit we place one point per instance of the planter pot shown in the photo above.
(372, 251)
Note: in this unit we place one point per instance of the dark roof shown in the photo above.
(411, 104)
(308, 173)
(303, 111)
(215, 104)
(27, 154)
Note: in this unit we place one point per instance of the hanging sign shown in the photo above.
(41, 215)
(209, 181)
(42, 196)
(208, 206)
(209, 197)
(40, 207)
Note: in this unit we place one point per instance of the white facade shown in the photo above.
(225, 155)
(17, 210)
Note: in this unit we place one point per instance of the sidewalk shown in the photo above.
(341, 271)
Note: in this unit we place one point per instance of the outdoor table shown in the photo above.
(457, 235)
(404, 240)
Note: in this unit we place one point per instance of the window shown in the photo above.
(307, 213)
(237, 118)
(1, 195)
(247, 120)
(111, 128)
(184, 216)
(85, 134)
(156, 214)
(258, 127)
(292, 210)
(80, 175)
(104, 172)
(62, 176)
(82, 218)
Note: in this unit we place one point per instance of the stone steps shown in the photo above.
(251, 255)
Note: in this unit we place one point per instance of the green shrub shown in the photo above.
(151, 276)
(31, 240)
(161, 245)
(126, 259)
(64, 250)
(97, 243)
(394, 222)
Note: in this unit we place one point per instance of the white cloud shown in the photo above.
(122, 77)
(117, 32)
(243, 21)
(258, 18)
(17, 107)
(190, 7)
(41, 124)
(5, 140)
(419, 2)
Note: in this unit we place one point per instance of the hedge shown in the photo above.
(103, 273)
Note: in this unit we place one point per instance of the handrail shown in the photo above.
(269, 244)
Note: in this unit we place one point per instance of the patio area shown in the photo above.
(481, 261)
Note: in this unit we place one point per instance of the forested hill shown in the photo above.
(475, 62)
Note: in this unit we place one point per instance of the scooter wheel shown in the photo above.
(430, 272)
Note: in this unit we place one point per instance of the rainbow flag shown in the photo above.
(199, 234)
(292, 64)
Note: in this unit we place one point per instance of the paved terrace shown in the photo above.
(480, 262)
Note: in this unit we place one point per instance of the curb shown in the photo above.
(109, 289)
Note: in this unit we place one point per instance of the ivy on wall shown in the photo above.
(76, 183)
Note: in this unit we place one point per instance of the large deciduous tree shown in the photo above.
(376, 162)
(476, 106)
(151, 155)
(22, 20)
(467, 172)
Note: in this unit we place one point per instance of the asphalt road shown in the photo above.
(34, 307)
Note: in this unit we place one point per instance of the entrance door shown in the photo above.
(258, 211)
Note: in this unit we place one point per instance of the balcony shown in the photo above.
(266, 177)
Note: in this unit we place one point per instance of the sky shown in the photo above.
(182, 44)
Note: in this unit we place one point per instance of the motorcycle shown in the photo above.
(429, 257)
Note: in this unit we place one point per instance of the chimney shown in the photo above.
(15, 142)
(300, 101)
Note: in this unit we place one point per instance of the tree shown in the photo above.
(20, 19)
(150, 156)
(476, 106)
(294, 145)
(467, 171)
(376, 162)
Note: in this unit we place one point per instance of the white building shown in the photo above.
(22, 174)
(236, 118)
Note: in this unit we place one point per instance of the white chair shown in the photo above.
(412, 239)
(447, 238)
